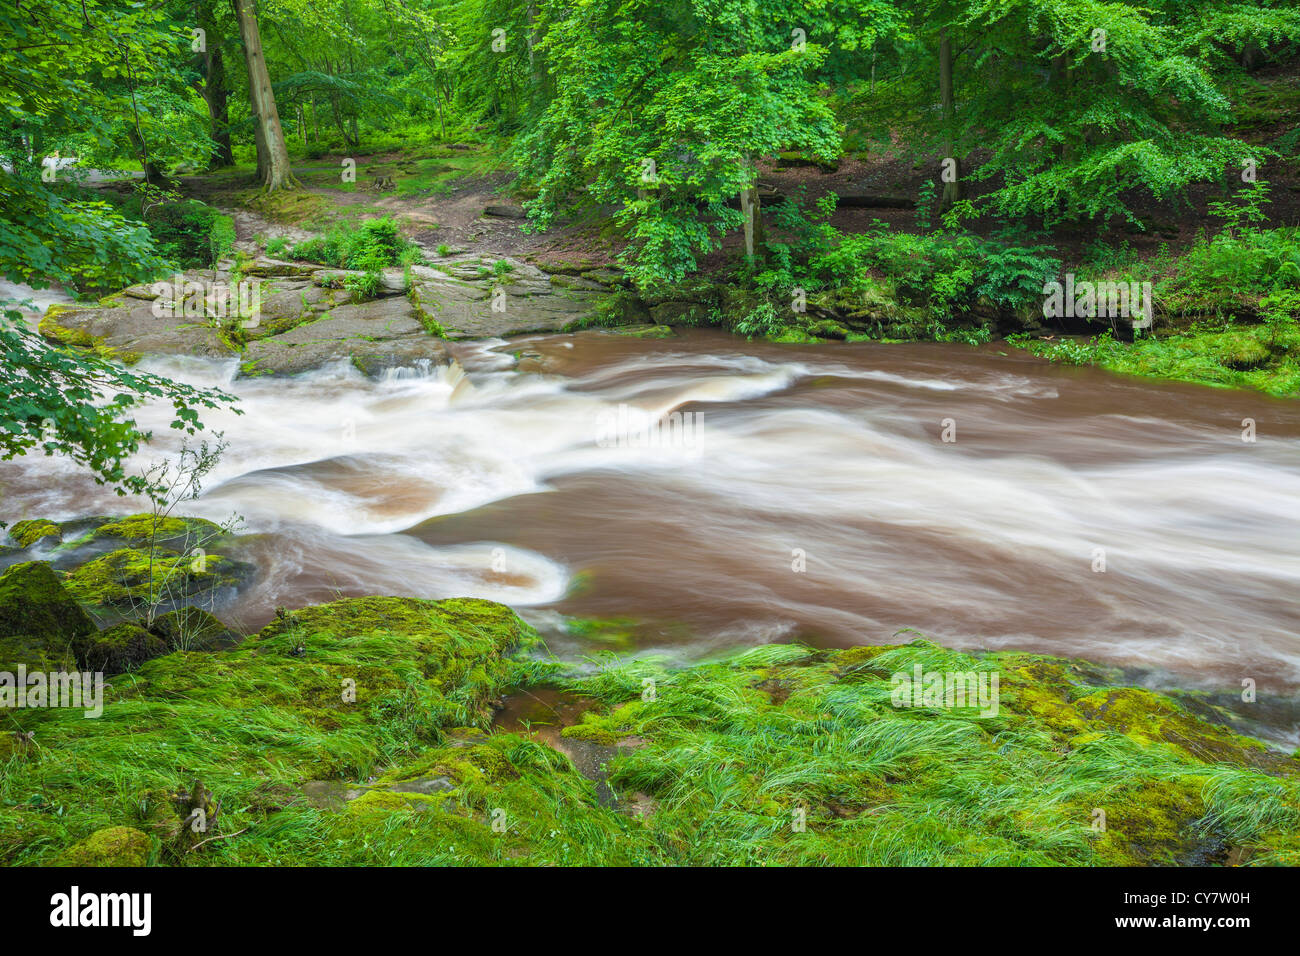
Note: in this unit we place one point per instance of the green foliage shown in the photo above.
(364, 285)
(1264, 357)
(47, 236)
(187, 233)
(1226, 266)
(703, 90)
(761, 321)
(373, 245)
(1079, 118)
(947, 272)
(59, 401)
(1242, 262)
(98, 80)
(712, 769)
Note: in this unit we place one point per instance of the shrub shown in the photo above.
(946, 271)
(189, 234)
(762, 320)
(375, 244)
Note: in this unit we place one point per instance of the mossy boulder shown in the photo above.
(828, 329)
(792, 160)
(459, 645)
(112, 846)
(1144, 715)
(646, 331)
(132, 578)
(39, 618)
(127, 645)
(1242, 351)
(174, 532)
(192, 629)
(611, 276)
(36, 652)
(335, 692)
(362, 732)
(119, 648)
(27, 533)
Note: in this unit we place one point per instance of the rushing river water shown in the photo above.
(809, 495)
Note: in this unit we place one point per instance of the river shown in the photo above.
(809, 493)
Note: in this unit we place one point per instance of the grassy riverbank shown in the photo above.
(361, 732)
(1222, 354)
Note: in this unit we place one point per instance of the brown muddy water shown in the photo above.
(795, 493)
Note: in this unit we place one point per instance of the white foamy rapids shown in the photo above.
(308, 566)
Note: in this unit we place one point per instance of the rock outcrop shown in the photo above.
(308, 315)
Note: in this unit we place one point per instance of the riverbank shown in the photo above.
(315, 312)
(391, 731)
(1216, 307)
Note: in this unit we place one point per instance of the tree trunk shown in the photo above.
(542, 84)
(272, 154)
(752, 208)
(215, 93)
(951, 190)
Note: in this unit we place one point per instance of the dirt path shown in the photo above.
(456, 218)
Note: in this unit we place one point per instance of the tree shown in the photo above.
(273, 167)
(951, 188)
(100, 82)
(665, 111)
(212, 87)
(1082, 103)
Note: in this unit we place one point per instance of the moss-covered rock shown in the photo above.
(118, 649)
(39, 618)
(169, 531)
(828, 329)
(192, 629)
(74, 333)
(335, 692)
(793, 160)
(360, 732)
(646, 331)
(112, 846)
(27, 533)
(1063, 770)
(134, 578)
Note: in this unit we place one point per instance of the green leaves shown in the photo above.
(1082, 101)
(46, 236)
(64, 402)
(686, 99)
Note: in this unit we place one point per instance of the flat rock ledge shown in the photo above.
(308, 316)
